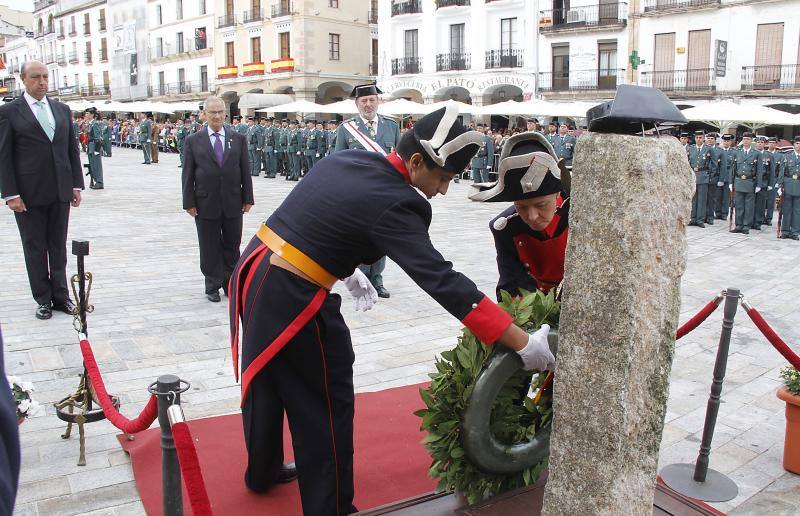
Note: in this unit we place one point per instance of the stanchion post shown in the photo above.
(698, 480)
(168, 388)
(720, 365)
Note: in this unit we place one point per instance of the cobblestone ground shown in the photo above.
(152, 318)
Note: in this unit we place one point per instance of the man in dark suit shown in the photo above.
(217, 190)
(40, 176)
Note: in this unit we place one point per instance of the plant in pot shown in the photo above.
(26, 405)
(790, 393)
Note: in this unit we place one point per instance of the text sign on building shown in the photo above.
(720, 58)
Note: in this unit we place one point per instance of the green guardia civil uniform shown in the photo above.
(322, 136)
(703, 164)
(745, 182)
(724, 165)
(565, 148)
(107, 140)
(778, 160)
(94, 152)
(790, 205)
(311, 147)
(145, 128)
(180, 139)
(269, 151)
(282, 154)
(482, 163)
(253, 150)
(293, 154)
(765, 180)
(330, 141)
(383, 131)
(302, 136)
(242, 128)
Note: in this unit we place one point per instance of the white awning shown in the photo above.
(263, 100)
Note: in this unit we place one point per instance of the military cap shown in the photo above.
(797, 139)
(365, 90)
(772, 139)
(712, 135)
(699, 133)
(727, 137)
(761, 138)
(684, 135)
(445, 140)
(311, 121)
(528, 168)
(748, 135)
(90, 110)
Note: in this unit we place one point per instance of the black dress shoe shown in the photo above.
(795, 237)
(213, 297)
(44, 312)
(382, 292)
(768, 223)
(95, 187)
(736, 230)
(68, 307)
(757, 228)
(700, 225)
(786, 237)
(710, 222)
(745, 231)
(287, 474)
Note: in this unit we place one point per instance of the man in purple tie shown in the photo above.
(217, 191)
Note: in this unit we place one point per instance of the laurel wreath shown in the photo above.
(515, 418)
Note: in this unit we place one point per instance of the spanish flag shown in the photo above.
(282, 65)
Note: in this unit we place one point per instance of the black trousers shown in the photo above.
(310, 379)
(44, 242)
(219, 241)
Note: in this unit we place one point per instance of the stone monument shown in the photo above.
(630, 201)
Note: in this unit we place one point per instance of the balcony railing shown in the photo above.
(406, 65)
(62, 59)
(581, 17)
(102, 24)
(227, 20)
(178, 88)
(73, 32)
(282, 9)
(372, 16)
(87, 57)
(60, 35)
(87, 29)
(92, 91)
(44, 32)
(103, 56)
(255, 15)
(406, 7)
(771, 77)
(49, 59)
(664, 5)
(452, 61)
(504, 59)
(701, 79)
(373, 68)
(188, 45)
(582, 80)
(451, 3)
(41, 4)
(73, 57)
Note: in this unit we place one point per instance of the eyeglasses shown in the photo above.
(216, 113)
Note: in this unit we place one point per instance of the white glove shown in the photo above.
(96, 153)
(730, 187)
(364, 294)
(317, 155)
(769, 188)
(720, 183)
(275, 151)
(298, 153)
(758, 189)
(537, 354)
(489, 167)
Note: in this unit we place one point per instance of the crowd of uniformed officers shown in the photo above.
(744, 181)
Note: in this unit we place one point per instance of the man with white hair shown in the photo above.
(217, 191)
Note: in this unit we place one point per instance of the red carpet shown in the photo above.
(390, 463)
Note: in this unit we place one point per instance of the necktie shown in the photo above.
(44, 121)
(371, 126)
(218, 148)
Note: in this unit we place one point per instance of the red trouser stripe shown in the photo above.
(330, 413)
(240, 293)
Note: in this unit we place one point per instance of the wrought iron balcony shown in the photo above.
(44, 33)
(406, 65)
(600, 15)
(73, 57)
(771, 77)
(104, 56)
(504, 59)
(451, 3)
(73, 32)
(87, 29)
(282, 9)
(62, 60)
(49, 59)
(96, 91)
(227, 20)
(700, 79)
(581, 80)
(102, 24)
(373, 68)
(87, 57)
(666, 5)
(406, 7)
(452, 61)
(61, 35)
(372, 16)
(254, 15)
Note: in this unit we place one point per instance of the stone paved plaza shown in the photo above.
(152, 318)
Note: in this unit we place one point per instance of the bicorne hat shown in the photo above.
(529, 167)
(445, 139)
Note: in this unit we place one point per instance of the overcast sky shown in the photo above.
(21, 5)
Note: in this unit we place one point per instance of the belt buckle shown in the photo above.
(744, 177)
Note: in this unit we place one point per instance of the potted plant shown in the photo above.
(26, 405)
(790, 393)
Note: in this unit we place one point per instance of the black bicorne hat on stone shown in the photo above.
(532, 171)
(446, 141)
(634, 109)
(365, 90)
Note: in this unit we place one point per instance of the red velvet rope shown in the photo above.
(698, 319)
(142, 422)
(190, 468)
(773, 338)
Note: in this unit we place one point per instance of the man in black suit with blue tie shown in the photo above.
(217, 191)
(40, 177)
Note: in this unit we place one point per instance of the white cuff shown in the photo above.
(11, 198)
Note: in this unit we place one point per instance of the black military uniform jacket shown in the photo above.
(355, 207)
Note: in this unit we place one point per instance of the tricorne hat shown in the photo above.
(445, 140)
(524, 176)
(364, 90)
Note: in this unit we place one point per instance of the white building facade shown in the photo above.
(82, 49)
(44, 12)
(583, 46)
(15, 53)
(707, 48)
(480, 52)
(181, 48)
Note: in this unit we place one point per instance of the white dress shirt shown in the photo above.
(213, 139)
